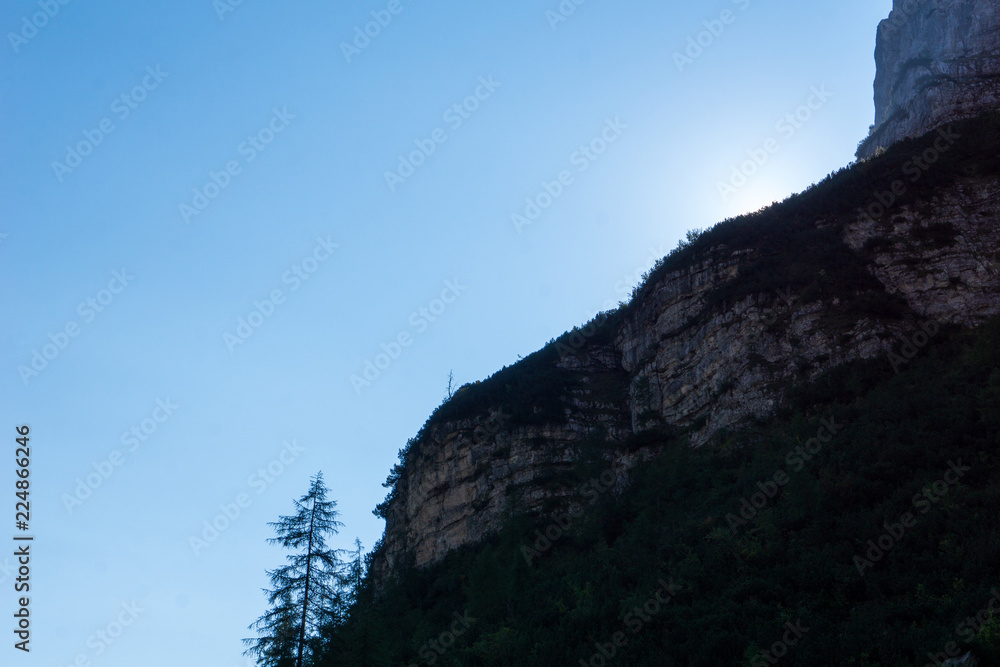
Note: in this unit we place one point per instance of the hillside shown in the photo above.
(863, 508)
(783, 448)
(715, 335)
(881, 541)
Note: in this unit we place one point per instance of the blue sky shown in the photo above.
(118, 115)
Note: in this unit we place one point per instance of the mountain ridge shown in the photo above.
(903, 239)
(938, 61)
(713, 337)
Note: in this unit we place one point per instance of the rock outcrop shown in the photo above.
(878, 256)
(938, 61)
(705, 351)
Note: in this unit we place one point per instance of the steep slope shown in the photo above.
(860, 265)
(846, 339)
(938, 62)
(880, 544)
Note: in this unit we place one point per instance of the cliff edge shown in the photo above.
(938, 61)
(860, 266)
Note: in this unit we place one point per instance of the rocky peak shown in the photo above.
(938, 61)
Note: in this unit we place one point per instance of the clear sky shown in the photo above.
(168, 169)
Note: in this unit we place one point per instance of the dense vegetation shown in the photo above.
(791, 253)
(742, 577)
(841, 561)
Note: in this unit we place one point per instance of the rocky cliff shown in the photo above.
(714, 338)
(860, 266)
(938, 61)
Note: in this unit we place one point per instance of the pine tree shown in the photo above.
(277, 647)
(356, 571)
(346, 637)
(355, 576)
(303, 589)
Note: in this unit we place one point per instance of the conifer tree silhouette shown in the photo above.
(301, 589)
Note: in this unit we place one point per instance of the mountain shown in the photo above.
(938, 62)
(744, 444)
(841, 272)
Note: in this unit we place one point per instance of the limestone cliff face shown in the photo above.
(701, 350)
(458, 486)
(943, 256)
(721, 331)
(938, 61)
